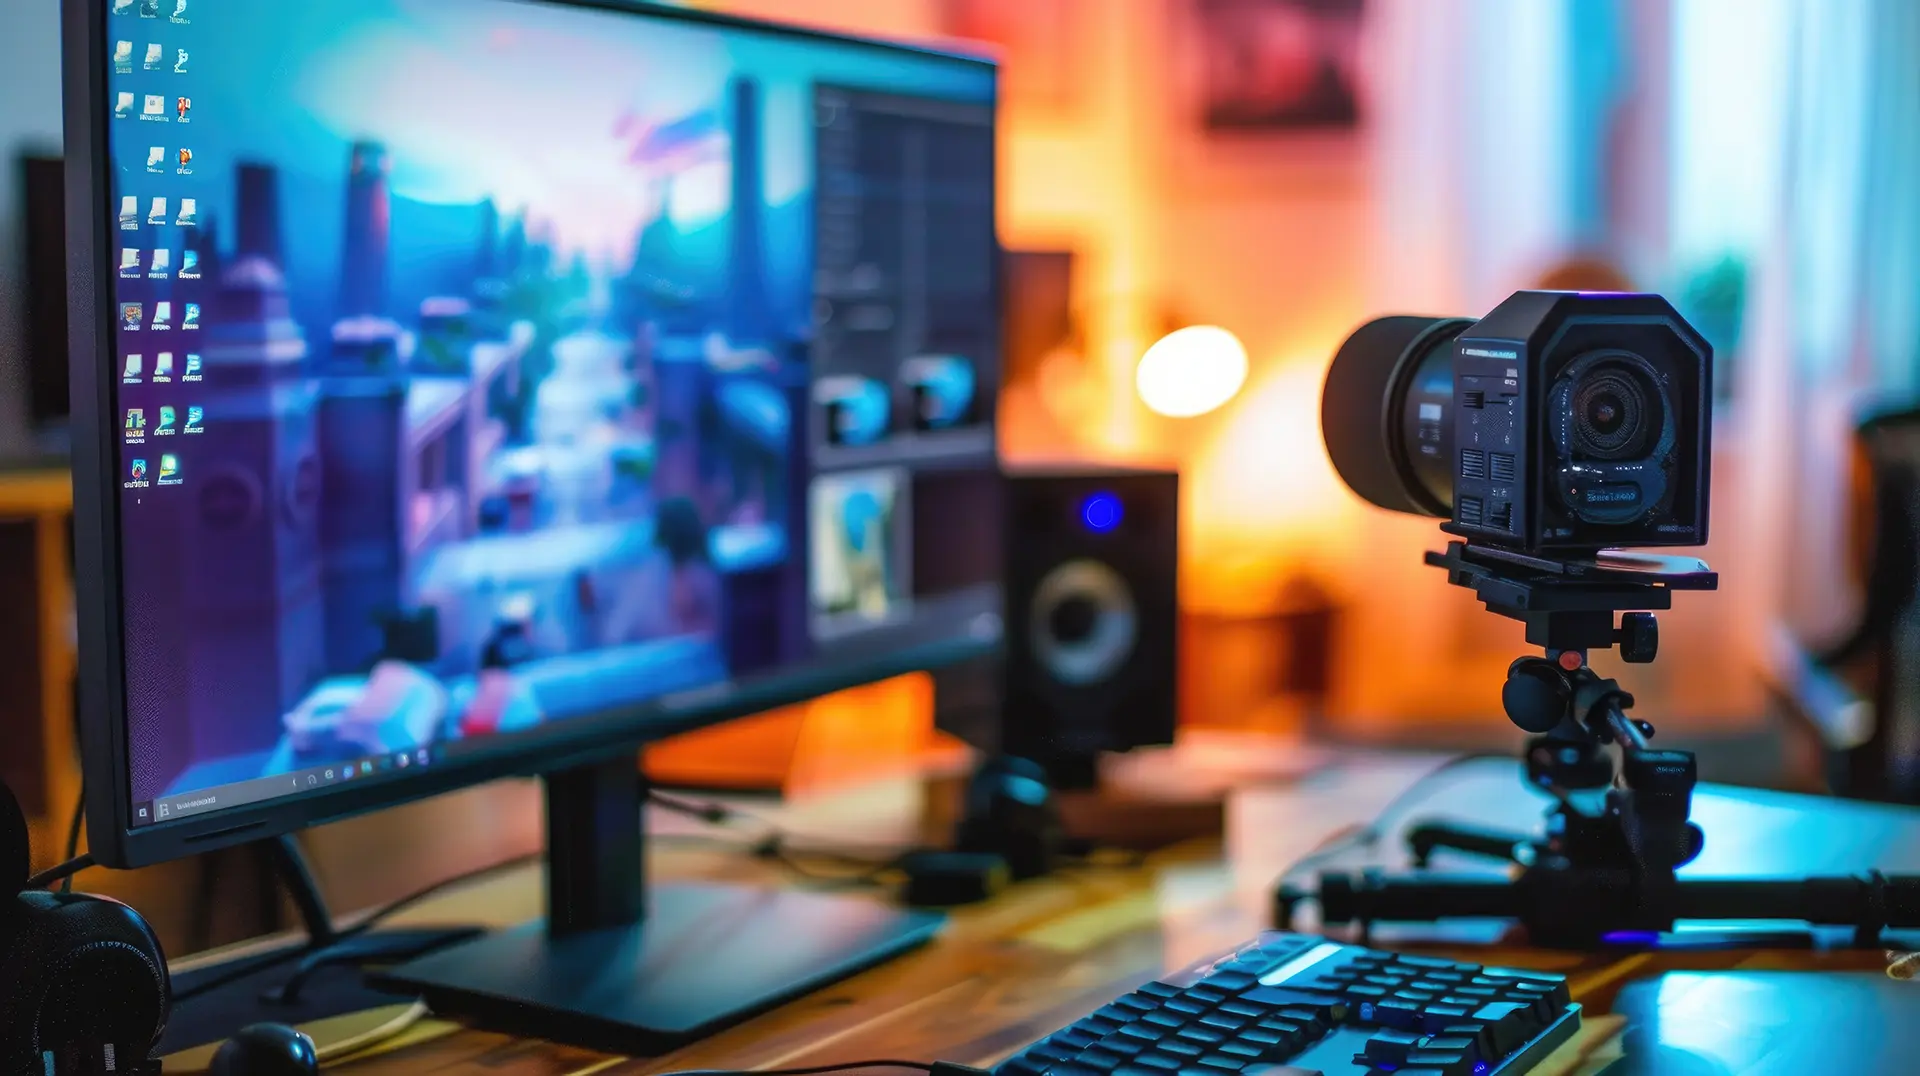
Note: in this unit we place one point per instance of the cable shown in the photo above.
(65, 870)
(73, 832)
(248, 968)
(1349, 837)
(777, 843)
(395, 907)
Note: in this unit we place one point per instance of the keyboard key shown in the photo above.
(1231, 981)
(1188, 1006)
(1264, 1036)
(1241, 1008)
(1143, 1032)
(1225, 1021)
(1119, 1014)
(1391, 1048)
(1136, 1069)
(1205, 1036)
(1410, 960)
(1223, 1063)
(1069, 1068)
(1122, 1045)
(1138, 1002)
(1099, 1060)
(1435, 987)
(1316, 1020)
(1436, 1018)
(1327, 1006)
(1159, 990)
(1510, 1026)
(1022, 1066)
(1242, 1048)
(1180, 1048)
(1206, 993)
(1367, 992)
(1453, 1044)
(1163, 1018)
(1445, 1063)
(1073, 1040)
(1395, 1013)
(1160, 1062)
(1099, 1026)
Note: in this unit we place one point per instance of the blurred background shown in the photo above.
(1267, 174)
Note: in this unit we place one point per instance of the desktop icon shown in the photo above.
(189, 213)
(130, 371)
(136, 424)
(163, 315)
(167, 417)
(180, 62)
(329, 775)
(122, 7)
(163, 366)
(191, 372)
(421, 756)
(189, 265)
(123, 56)
(158, 214)
(366, 768)
(181, 106)
(149, 9)
(163, 810)
(138, 471)
(154, 53)
(154, 107)
(169, 470)
(179, 11)
(129, 261)
(131, 315)
(122, 105)
(403, 761)
(186, 161)
(192, 320)
(156, 156)
(312, 780)
(129, 212)
(195, 417)
(162, 262)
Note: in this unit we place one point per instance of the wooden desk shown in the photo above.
(1050, 951)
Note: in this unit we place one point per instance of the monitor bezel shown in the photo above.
(102, 718)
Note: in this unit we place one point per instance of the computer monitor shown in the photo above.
(473, 388)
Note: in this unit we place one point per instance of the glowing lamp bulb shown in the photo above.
(1191, 371)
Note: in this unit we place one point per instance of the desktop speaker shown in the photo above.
(1090, 568)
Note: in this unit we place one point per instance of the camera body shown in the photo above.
(1579, 422)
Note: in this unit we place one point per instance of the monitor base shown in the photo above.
(705, 957)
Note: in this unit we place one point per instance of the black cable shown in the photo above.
(65, 870)
(395, 907)
(73, 832)
(1349, 837)
(777, 844)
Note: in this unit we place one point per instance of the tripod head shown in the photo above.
(1569, 608)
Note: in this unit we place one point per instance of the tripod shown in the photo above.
(1600, 874)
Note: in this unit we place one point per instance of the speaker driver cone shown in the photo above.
(1083, 622)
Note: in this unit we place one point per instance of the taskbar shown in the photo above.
(310, 779)
(968, 620)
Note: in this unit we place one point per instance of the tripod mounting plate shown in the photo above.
(1570, 604)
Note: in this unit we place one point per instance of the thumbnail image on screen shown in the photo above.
(497, 319)
(857, 549)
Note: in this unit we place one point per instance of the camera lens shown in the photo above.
(1614, 414)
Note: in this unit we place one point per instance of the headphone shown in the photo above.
(83, 981)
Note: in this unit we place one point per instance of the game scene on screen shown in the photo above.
(503, 316)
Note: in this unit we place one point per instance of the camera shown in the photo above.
(1561, 424)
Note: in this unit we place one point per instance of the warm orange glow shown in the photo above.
(1191, 371)
(1262, 503)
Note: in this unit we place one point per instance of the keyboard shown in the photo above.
(1293, 1005)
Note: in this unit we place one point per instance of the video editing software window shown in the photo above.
(489, 365)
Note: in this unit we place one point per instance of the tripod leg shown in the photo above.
(1868, 903)
(1427, 838)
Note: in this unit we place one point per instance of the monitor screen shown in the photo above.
(496, 373)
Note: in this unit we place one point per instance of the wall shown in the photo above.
(30, 120)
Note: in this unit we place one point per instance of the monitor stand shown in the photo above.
(621, 965)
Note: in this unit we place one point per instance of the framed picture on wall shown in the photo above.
(1280, 65)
